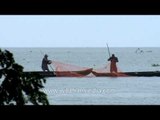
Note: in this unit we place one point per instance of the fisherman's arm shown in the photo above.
(49, 61)
(117, 60)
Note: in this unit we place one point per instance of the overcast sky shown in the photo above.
(79, 30)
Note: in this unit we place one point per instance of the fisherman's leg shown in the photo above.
(115, 69)
(47, 69)
(43, 69)
(111, 68)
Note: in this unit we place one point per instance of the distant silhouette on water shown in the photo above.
(139, 50)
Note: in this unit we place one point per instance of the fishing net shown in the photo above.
(69, 70)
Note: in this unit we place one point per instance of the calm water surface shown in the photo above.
(97, 90)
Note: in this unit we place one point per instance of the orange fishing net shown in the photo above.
(68, 70)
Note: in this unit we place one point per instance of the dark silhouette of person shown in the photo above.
(45, 63)
(113, 66)
(139, 50)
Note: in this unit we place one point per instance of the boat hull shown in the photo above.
(127, 74)
(80, 73)
(73, 73)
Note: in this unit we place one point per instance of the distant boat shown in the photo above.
(149, 51)
(155, 65)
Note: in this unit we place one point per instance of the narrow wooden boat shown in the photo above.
(125, 74)
(79, 73)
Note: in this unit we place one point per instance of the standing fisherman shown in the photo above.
(113, 66)
(45, 63)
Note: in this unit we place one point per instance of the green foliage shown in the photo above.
(17, 87)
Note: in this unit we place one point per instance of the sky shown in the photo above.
(79, 30)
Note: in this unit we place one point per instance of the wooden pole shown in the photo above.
(108, 51)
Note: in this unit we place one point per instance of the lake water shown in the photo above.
(97, 90)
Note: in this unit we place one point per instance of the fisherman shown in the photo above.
(113, 66)
(45, 63)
